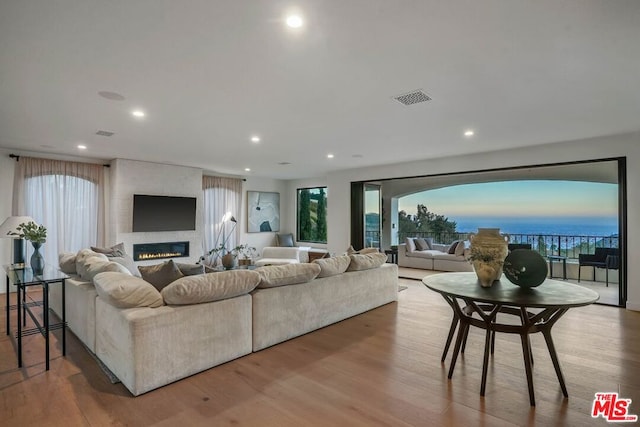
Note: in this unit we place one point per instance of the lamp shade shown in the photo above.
(10, 225)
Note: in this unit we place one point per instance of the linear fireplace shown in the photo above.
(147, 251)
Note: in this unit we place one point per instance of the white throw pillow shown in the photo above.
(126, 291)
(333, 266)
(210, 287)
(411, 246)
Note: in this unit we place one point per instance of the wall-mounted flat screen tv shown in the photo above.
(163, 213)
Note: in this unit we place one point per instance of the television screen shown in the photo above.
(163, 213)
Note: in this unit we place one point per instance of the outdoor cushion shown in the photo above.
(333, 266)
(366, 261)
(290, 274)
(452, 247)
(126, 291)
(423, 254)
(411, 245)
(210, 287)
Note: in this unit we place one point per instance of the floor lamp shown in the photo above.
(10, 225)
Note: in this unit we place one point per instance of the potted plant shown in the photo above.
(246, 254)
(228, 256)
(37, 235)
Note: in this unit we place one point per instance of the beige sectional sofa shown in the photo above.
(436, 258)
(150, 338)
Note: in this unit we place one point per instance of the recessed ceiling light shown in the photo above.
(247, 169)
(469, 133)
(294, 21)
(255, 139)
(138, 113)
(82, 147)
(329, 156)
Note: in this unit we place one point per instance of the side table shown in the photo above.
(22, 279)
(393, 253)
(553, 258)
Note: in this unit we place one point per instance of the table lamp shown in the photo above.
(10, 225)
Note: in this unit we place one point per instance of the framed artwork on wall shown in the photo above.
(263, 211)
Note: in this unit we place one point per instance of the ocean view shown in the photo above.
(567, 226)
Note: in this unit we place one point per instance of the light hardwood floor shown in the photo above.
(379, 368)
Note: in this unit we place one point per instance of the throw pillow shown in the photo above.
(350, 250)
(367, 251)
(411, 246)
(366, 262)
(160, 275)
(460, 249)
(83, 256)
(210, 287)
(67, 262)
(126, 291)
(452, 248)
(126, 261)
(95, 266)
(289, 274)
(115, 250)
(422, 244)
(190, 269)
(333, 266)
(284, 240)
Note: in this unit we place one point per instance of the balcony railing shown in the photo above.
(545, 244)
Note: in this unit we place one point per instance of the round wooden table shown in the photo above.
(553, 298)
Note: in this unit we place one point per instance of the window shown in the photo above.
(65, 197)
(222, 201)
(312, 215)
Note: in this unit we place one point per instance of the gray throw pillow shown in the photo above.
(114, 251)
(285, 240)
(190, 269)
(126, 261)
(422, 244)
(160, 275)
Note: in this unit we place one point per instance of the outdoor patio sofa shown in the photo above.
(437, 256)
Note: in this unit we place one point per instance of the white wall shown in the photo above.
(260, 240)
(129, 177)
(627, 145)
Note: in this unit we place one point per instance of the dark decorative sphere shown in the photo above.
(525, 268)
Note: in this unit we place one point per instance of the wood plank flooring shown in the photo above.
(379, 368)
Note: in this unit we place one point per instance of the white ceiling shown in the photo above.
(210, 74)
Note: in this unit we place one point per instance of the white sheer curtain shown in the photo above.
(221, 196)
(66, 197)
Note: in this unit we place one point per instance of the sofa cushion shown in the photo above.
(366, 261)
(460, 248)
(127, 261)
(67, 262)
(82, 256)
(115, 250)
(160, 275)
(424, 244)
(368, 251)
(452, 247)
(333, 266)
(411, 245)
(210, 287)
(190, 269)
(126, 291)
(95, 265)
(290, 274)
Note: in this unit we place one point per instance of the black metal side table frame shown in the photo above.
(560, 258)
(23, 307)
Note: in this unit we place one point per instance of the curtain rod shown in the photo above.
(15, 156)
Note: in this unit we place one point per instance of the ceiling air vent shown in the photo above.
(412, 97)
(104, 133)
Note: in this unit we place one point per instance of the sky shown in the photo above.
(518, 198)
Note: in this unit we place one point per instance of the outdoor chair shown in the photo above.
(514, 246)
(607, 258)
